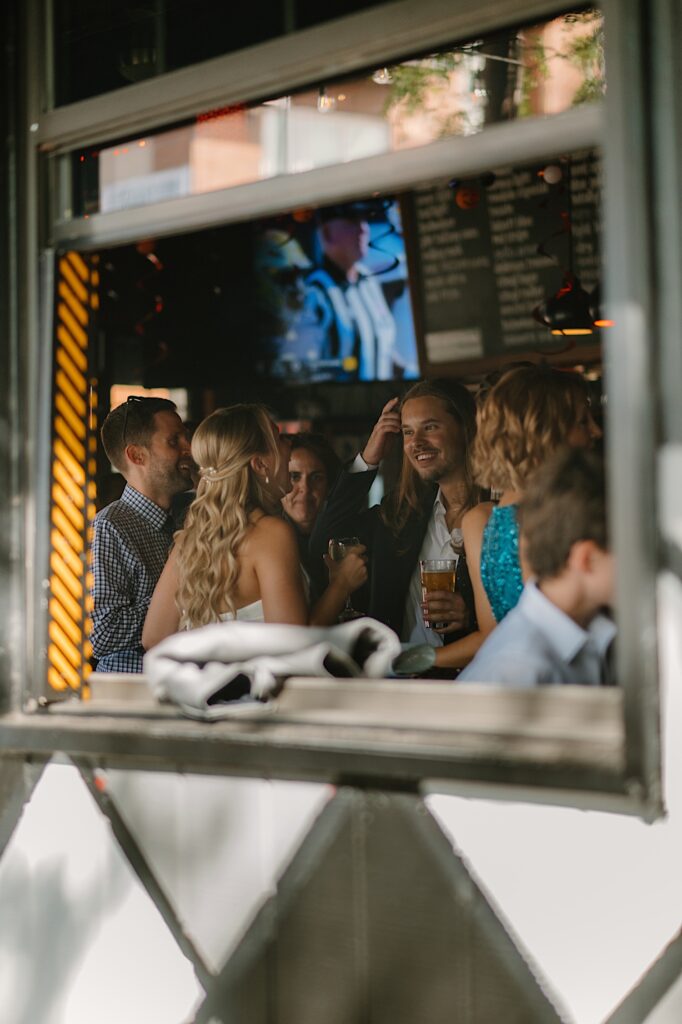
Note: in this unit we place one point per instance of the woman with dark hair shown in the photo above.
(421, 518)
(313, 469)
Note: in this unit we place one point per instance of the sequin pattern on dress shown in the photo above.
(500, 566)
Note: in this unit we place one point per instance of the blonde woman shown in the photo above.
(529, 413)
(236, 557)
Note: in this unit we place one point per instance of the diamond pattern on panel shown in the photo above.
(80, 939)
(376, 920)
(138, 862)
(658, 997)
(216, 845)
(17, 781)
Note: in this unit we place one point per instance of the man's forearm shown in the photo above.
(116, 628)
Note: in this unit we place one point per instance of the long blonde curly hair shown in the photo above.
(219, 517)
(522, 420)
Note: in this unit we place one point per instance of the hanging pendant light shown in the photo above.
(568, 311)
(598, 319)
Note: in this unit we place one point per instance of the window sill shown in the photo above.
(367, 731)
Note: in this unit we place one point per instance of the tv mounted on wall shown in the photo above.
(313, 296)
(335, 281)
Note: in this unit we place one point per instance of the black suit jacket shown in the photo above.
(391, 558)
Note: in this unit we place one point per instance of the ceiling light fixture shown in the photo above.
(382, 76)
(568, 310)
(595, 308)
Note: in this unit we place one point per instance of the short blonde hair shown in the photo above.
(522, 420)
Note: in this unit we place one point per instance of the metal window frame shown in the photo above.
(534, 138)
(632, 779)
(274, 68)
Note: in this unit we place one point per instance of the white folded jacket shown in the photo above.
(208, 671)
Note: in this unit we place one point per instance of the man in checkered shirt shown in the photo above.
(146, 441)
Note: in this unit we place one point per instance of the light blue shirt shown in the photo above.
(537, 643)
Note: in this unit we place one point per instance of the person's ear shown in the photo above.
(583, 556)
(136, 454)
(260, 468)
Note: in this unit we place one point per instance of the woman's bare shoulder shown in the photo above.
(271, 530)
(478, 516)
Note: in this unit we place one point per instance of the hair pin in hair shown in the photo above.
(208, 471)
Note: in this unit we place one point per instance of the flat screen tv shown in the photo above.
(319, 295)
(335, 284)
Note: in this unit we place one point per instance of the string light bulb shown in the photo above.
(325, 103)
(552, 174)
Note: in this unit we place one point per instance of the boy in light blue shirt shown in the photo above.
(557, 633)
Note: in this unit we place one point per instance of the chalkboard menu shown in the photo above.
(491, 249)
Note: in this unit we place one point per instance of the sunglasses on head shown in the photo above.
(132, 400)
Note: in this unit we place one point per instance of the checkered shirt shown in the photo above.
(130, 546)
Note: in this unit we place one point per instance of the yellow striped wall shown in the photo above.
(73, 494)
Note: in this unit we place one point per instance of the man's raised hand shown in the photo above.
(383, 432)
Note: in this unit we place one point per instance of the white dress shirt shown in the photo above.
(538, 643)
(439, 542)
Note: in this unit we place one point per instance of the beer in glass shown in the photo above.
(437, 574)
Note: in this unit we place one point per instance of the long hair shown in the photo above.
(218, 518)
(408, 496)
(523, 419)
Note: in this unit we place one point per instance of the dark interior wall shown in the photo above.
(101, 45)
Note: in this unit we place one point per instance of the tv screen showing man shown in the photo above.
(339, 281)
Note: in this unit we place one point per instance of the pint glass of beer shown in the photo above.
(437, 574)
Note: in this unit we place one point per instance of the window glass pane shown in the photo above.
(459, 91)
(100, 46)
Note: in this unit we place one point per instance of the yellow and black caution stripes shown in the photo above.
(74, 447)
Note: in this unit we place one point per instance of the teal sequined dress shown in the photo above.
(500, 566)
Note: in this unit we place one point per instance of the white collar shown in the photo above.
(439, 513)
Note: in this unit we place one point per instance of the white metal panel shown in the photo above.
(81, 940)
(217, 846)
(594, 897)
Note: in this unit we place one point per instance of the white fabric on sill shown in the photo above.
(208, 671)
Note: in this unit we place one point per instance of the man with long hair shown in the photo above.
(419, 519)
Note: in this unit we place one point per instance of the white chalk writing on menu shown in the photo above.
(491, 254)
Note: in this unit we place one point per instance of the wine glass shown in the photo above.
(339, 547)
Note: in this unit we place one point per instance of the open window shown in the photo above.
(453, 153)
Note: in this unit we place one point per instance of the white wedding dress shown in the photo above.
(249, 613)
